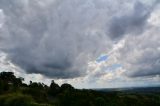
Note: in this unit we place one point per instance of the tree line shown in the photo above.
(13, 92)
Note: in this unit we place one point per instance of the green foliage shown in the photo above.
(53, 89)
(66, 87)
(9, 78)
(39, 96)
(99, 101)
(15, 100)
(3, 86)
(15, 93)
(36, 85)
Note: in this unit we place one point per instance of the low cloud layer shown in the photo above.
(58, 38)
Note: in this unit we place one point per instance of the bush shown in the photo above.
(15, 100)
(100, 101)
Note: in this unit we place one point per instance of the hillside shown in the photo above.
(13, 92)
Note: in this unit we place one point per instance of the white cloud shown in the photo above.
(63, 38)
(154, 18)
(2, 18)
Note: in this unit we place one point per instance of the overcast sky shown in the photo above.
(87, 43)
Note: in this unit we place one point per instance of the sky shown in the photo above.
(87, 43)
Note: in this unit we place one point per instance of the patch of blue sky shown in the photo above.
(102, 58)
(115, 66)
(112, 67)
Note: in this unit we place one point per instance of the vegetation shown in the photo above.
(13, 92)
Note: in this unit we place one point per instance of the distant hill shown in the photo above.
(131, 89)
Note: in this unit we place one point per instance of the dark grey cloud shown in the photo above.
(148, 65)
(52, 37)
(57, 38)
(134, 22)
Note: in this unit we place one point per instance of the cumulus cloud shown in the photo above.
(59, 38)
(55, 39)
(133, 22)
(140, 55)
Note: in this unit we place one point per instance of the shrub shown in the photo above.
(15, 100)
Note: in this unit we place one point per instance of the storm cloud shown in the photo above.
(57, 38)
(52, 38)
(134, 22)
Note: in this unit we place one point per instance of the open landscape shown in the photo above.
(15, 93)
(79, 52)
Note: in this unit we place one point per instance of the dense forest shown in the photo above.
(13, 92)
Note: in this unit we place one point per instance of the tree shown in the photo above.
(66, 87)
(53, 88)
(16, 100)
(3, 86)
(9, 78)
(100, 101)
